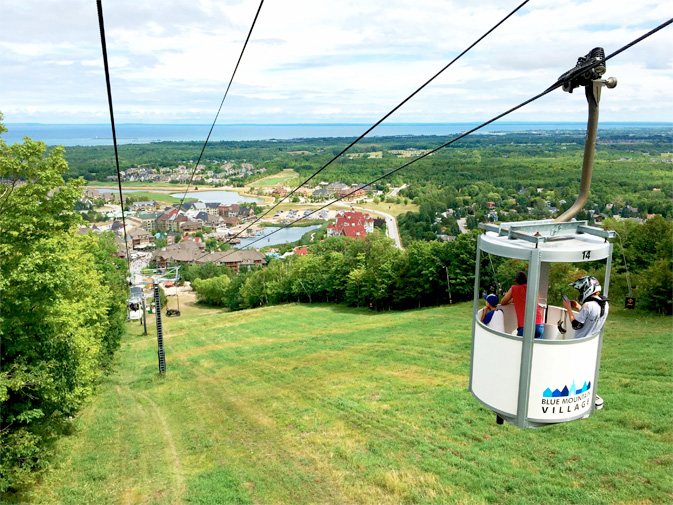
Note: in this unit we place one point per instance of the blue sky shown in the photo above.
(324, 61)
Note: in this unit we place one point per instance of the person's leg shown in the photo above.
(539, 331)
(519, 331)
(599, 403)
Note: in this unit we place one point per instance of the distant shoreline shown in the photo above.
(654, 123)
(146, 133)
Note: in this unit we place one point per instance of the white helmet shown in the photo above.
(587, 286)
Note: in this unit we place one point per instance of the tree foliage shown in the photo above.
(362, 273)
(62, 298)
(212, 290)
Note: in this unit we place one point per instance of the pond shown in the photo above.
(215, 196)
(124, 190)
(218, 196)
(283, 236)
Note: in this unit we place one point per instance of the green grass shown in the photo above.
(394, 209)
(325, 404)
(272, 180)
(162, 197)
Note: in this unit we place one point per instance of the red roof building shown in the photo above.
(351, 224)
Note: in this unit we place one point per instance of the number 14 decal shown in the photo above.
(586, 255)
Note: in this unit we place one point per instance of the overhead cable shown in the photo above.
(221, 103)
(384, 117)
(101, 25)
(559, 83)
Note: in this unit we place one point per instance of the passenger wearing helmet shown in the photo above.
(593, 308)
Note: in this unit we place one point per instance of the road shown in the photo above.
(391, 225)
(462, 225)
(395, 191)
(391, 222)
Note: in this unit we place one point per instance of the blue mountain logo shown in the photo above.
(566, 391)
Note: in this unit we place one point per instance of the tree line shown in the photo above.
(62, 298)
(373, 273)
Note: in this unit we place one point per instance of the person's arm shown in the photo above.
(507, 298)
(484, 311)
(576, 322)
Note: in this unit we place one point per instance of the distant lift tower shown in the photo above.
(154, 277)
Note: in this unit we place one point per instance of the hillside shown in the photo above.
(325, 404)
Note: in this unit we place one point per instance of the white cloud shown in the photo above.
(335, 61)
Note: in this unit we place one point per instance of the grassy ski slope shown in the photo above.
(326, 404)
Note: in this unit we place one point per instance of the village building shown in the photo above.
(230, 221)
(321, 193)
(146, 206)
(139, 238)
(121, 247)
(199, 206)
(211, 208)
(228, 210)
(246, 213)
(214, 221)
(163, 221)
(190, 227)
(117, 227)
(304, 190)
(202, 217)
(351, 224)
(148, 220)
(279, 191)
(301, 251)
(352, 193)
(337, 186)
(170, 221)
(194, 253)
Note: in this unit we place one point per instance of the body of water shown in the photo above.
(215, 196)
(218, 196)
(124, 190)
(280, 237)
(100, 134)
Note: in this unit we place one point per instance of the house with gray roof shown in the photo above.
(139, 238)
(193, 253)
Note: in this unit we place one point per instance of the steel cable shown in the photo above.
(384, 117)
(101, 26)
(560, 82)
(221, 104)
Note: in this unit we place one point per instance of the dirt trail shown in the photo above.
(179, 484)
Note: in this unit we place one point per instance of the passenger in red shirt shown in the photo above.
(517, 293)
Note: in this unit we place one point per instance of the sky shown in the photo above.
(325, 61)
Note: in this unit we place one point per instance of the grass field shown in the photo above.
(161, 197)
(272, 180)
(394, 209)
(326, 404)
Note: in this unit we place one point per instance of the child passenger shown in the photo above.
(492, 316)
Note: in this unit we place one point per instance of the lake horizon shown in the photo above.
(100, 134)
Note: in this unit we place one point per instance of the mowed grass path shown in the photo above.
(326, 404)
(272, 180)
